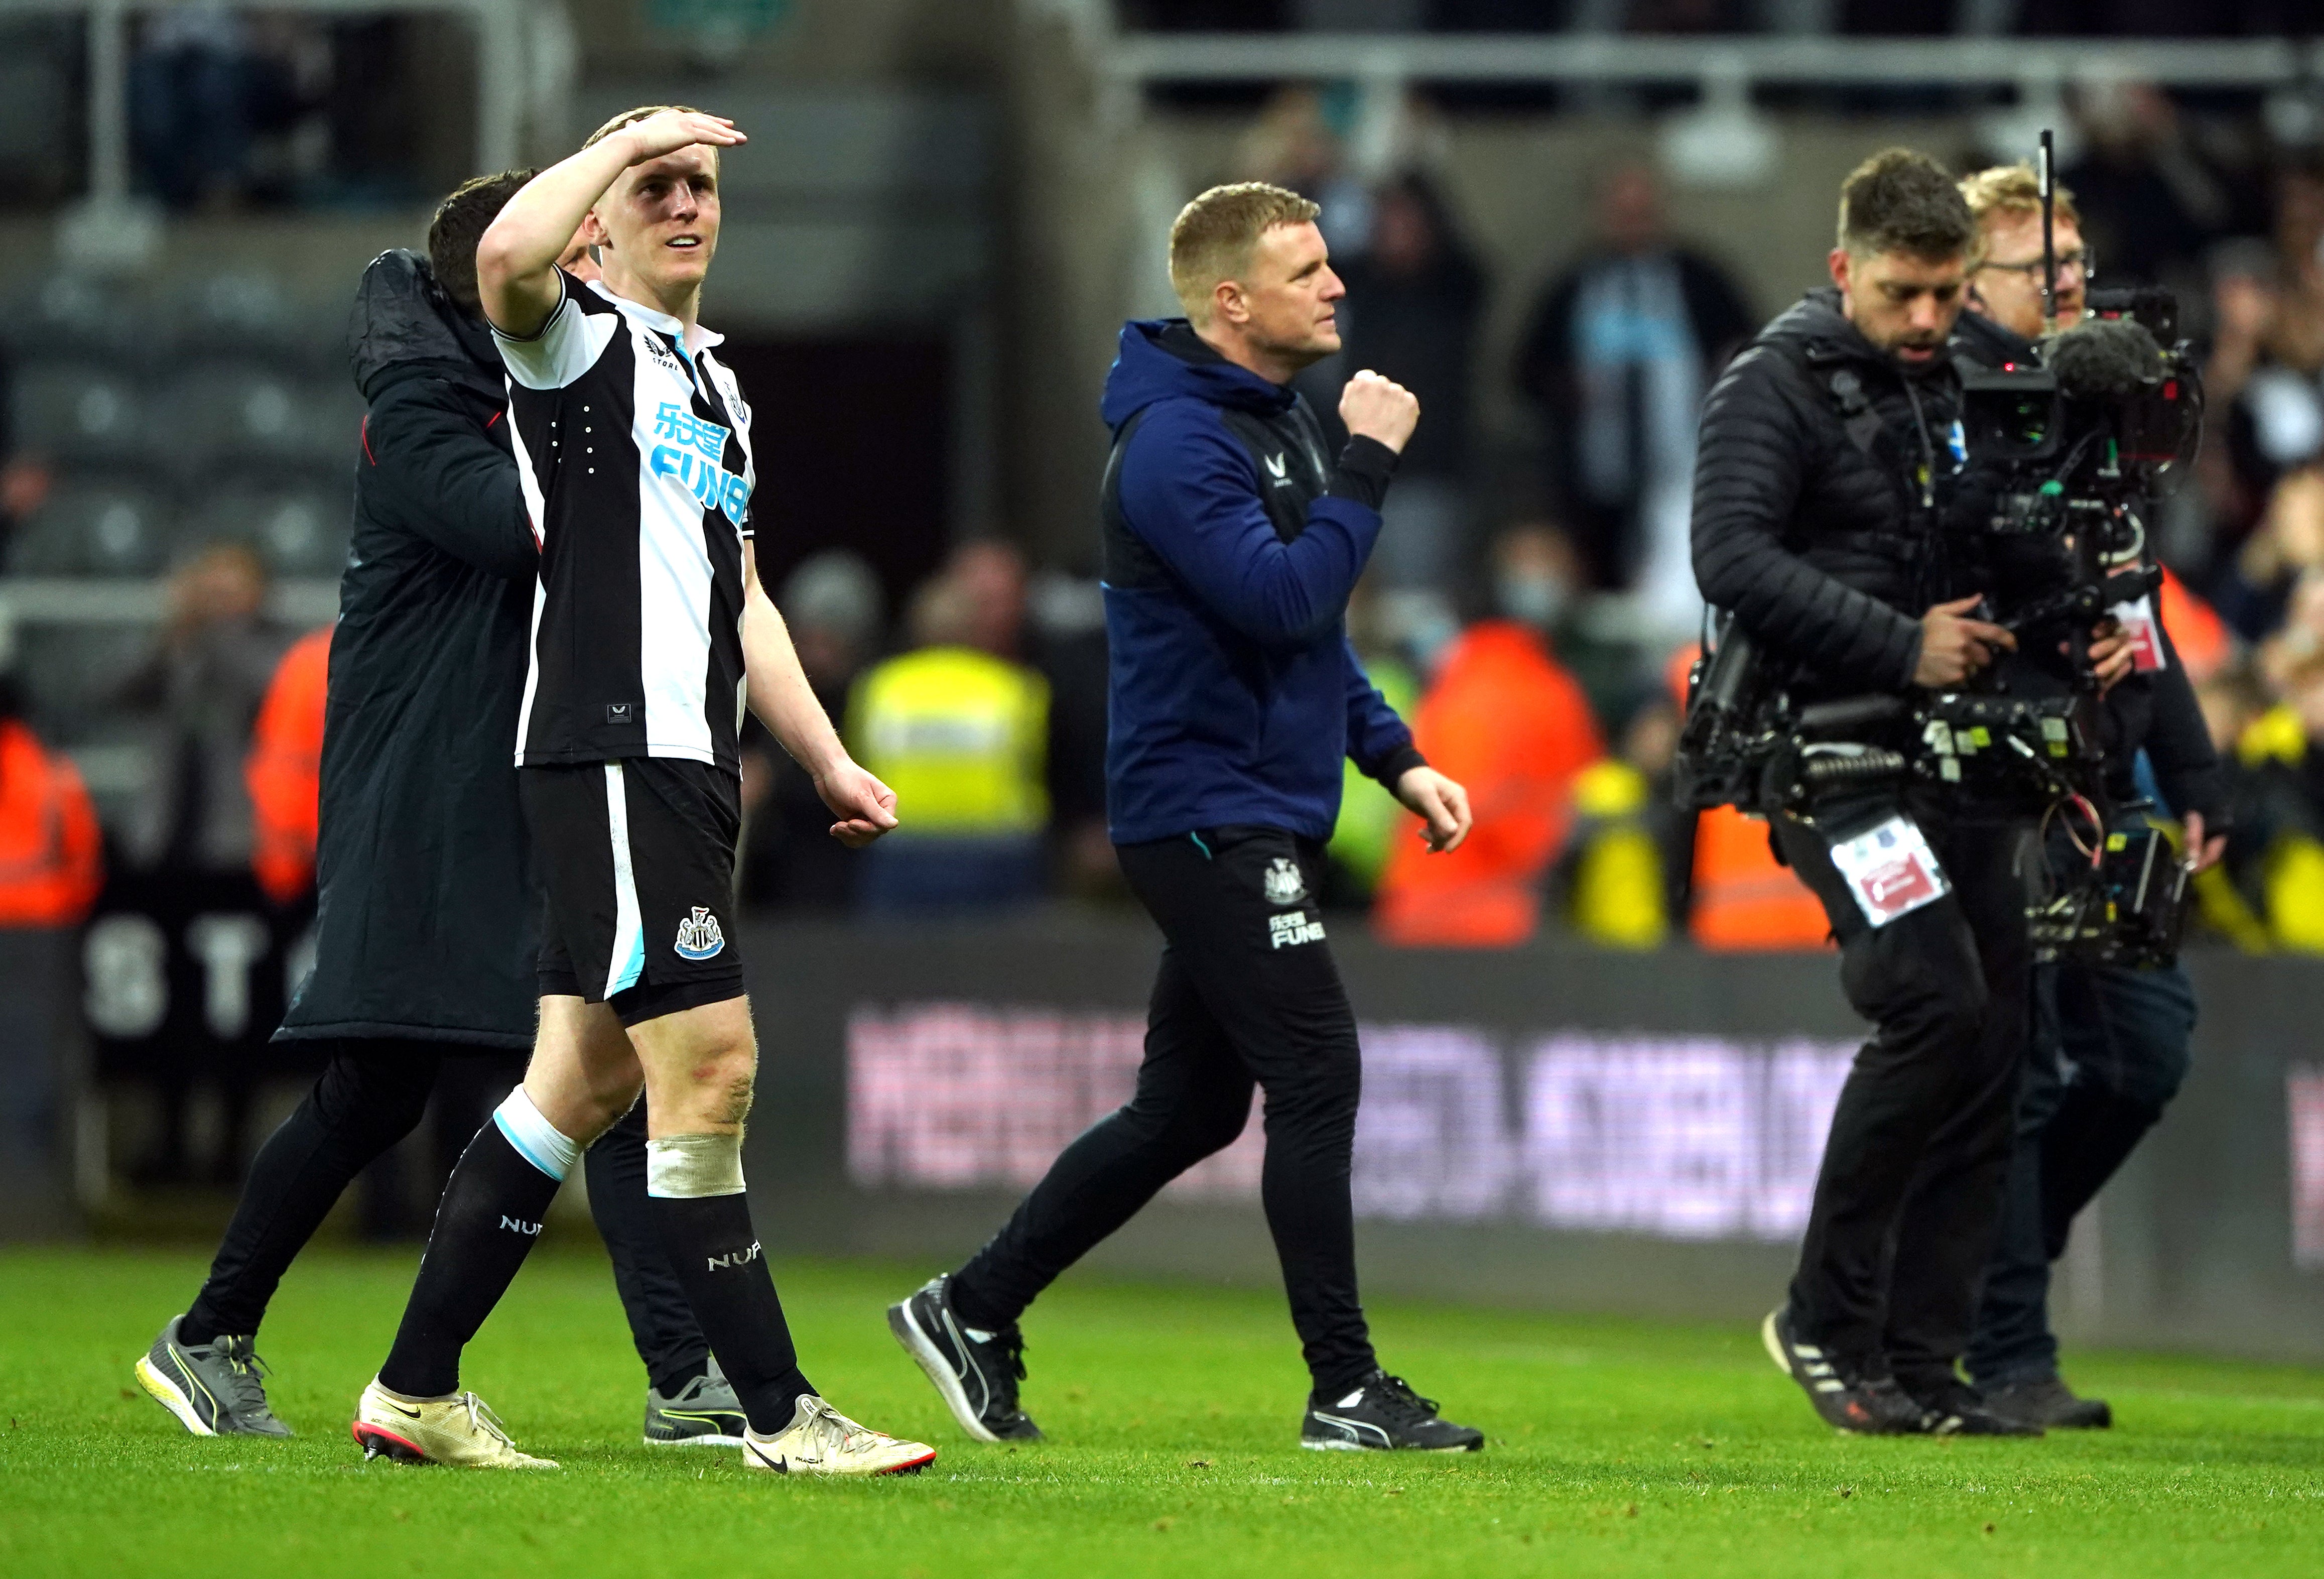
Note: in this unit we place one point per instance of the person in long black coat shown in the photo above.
(1615, 359)
(427, 914)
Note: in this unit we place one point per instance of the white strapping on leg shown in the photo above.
(686, 1166)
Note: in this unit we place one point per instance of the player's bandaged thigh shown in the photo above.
(688, 1167)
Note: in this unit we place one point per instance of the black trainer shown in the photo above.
(1955, 1409)
(1383, 1412)
(1847, 1400)
(975, 1372)
(2049, 1403)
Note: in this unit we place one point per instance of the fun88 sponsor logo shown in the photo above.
(693, 457)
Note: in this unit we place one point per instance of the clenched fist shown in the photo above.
(1380, 409)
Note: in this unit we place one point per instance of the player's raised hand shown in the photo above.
(865, 808)
(672, 130)
(1380, 409)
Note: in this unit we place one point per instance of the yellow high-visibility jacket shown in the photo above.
(961, 736)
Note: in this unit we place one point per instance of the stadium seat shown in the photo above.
(250, 315)
(79, 411)
(75, 317)
(217, 413)
(298, 524)
(93, 527)
(73, 675)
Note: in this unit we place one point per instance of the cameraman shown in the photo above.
(2108, 1042)
(1830, 463)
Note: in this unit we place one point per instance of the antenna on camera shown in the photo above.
(2045, 176)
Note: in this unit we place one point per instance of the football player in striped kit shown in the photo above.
(650, 633)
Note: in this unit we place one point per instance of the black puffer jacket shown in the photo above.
(1819, 483)
(425, 923)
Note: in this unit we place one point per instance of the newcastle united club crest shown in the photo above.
(698, 936)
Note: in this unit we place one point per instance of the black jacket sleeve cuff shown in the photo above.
(2203, 794)
(1365, 466)
(1398, 765)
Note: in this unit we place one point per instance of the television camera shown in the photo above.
(2083, 442)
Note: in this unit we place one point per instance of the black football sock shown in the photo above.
(669, 1339)
(670, 1384)
(968, 1302)
(486, 1223)
(715, 1254)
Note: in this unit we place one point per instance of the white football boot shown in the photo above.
(455, 1430)
(821, 1441)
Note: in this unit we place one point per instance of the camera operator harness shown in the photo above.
(2079, 442)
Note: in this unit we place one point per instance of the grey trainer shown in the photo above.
(214, 1388)
(705, 1412)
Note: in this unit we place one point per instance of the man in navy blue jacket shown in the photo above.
(1231, 543)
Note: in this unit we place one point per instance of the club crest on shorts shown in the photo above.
(1282, 882)
(698, 936)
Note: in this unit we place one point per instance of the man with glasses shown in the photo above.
(2109, 1044)
(2005, 290)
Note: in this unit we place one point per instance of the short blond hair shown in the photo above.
(2009, 189)
(1214, 236)
(644, 112)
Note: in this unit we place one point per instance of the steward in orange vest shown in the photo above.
(284, 769)
(1505, 719)
(52, 856)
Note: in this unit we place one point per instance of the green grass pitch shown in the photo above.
(1173, 1416)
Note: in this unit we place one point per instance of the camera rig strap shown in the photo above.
(1875, 439)
(1855, 412)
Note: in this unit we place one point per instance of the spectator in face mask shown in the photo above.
(1507, 718)
(1539, 577)
(203, 683)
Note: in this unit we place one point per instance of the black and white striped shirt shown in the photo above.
(634, 449)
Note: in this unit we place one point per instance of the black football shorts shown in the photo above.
(636, 866)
